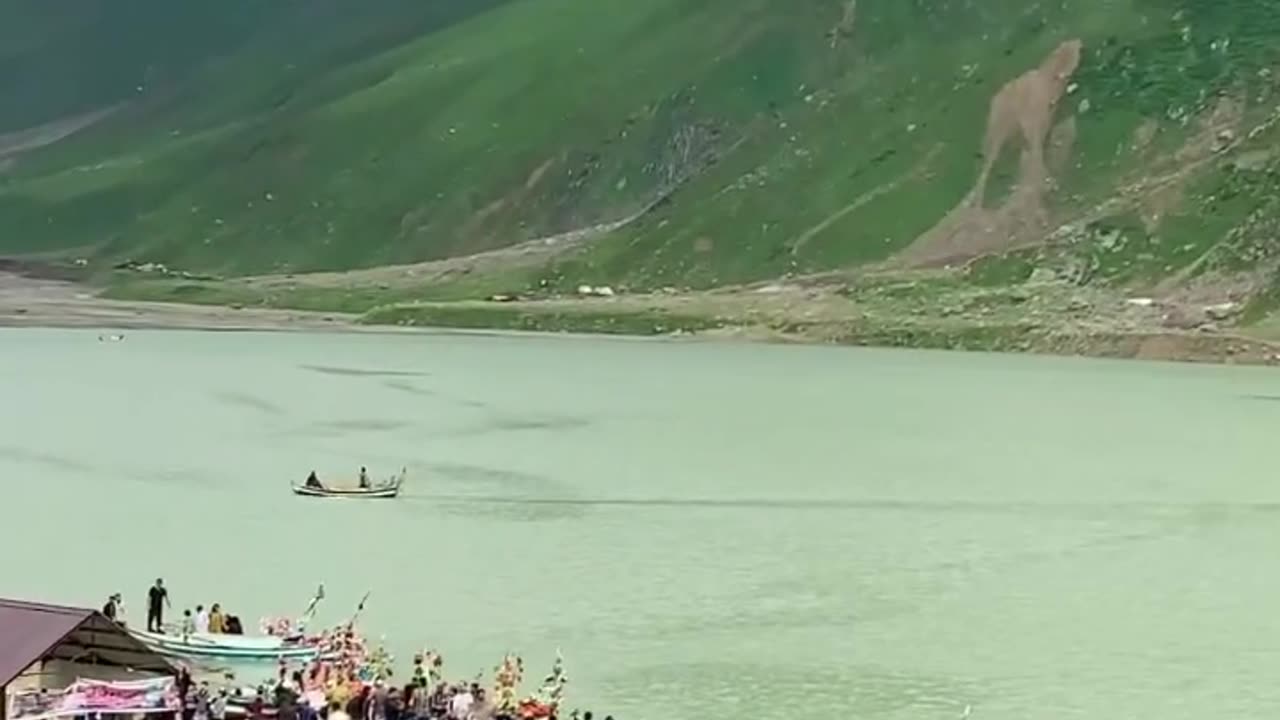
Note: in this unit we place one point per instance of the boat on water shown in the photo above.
(388, 489)
(227, 647)
(282, 640)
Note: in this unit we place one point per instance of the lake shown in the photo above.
(704, 530)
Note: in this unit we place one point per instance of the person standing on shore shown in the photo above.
(203, 699)
(157, 601)
(460, 705)
(218, 707)
(376, 708)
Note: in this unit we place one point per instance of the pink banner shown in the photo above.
(85, 697)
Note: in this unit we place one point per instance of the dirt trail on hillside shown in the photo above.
(1022, 110)
(532, 253)
(848, 21)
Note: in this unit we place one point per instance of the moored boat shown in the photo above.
(389, 489)
(282, 639)
(228, 647)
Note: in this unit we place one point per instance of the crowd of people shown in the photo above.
(350, 680)
(353, 681)
(360, 686)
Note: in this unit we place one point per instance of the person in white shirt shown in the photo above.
(188, 624)
(218, 707)
(202, 620)
(461, 704)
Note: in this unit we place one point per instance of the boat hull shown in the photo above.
(384, 491)
(368, 494)
(227, 647)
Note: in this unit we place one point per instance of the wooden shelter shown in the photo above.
(34, 635)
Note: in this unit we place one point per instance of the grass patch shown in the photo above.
(1004, 269)
(353, 299)
(525, 318)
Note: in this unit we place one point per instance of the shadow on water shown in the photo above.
(497, 425)
(47, 460)
(251, 402)
(362, 372)
(343, 428)
(170, 478)
(531, 422)
(412, 389)
(358, 425)
(497, 481)
(1262, 398)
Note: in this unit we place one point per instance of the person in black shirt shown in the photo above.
(157, 600)
(185, 700)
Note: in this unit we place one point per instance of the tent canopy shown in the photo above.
(35, 632)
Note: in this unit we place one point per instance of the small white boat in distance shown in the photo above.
(387, 490)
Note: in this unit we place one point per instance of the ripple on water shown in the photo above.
(728, 689)
(362, 372)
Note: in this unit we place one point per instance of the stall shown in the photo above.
(50, 648)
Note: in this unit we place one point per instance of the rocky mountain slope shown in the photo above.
(1074, 166)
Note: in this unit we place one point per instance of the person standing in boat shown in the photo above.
(217, 621)
(188, 624)
(364, 478)
(157, 601)
(202, 620)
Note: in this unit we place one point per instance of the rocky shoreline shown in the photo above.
(27, 301)
(821, 314)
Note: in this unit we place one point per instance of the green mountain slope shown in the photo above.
(1109, 143)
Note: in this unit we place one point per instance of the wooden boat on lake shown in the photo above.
(389, 489)
(283, 640)
(227, 647)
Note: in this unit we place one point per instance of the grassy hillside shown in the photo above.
(742, 140)
(76, 56)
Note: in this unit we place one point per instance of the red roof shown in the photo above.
(31, 632)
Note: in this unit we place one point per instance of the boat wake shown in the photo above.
(959, 506)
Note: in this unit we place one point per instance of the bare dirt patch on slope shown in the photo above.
(1022, 110)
